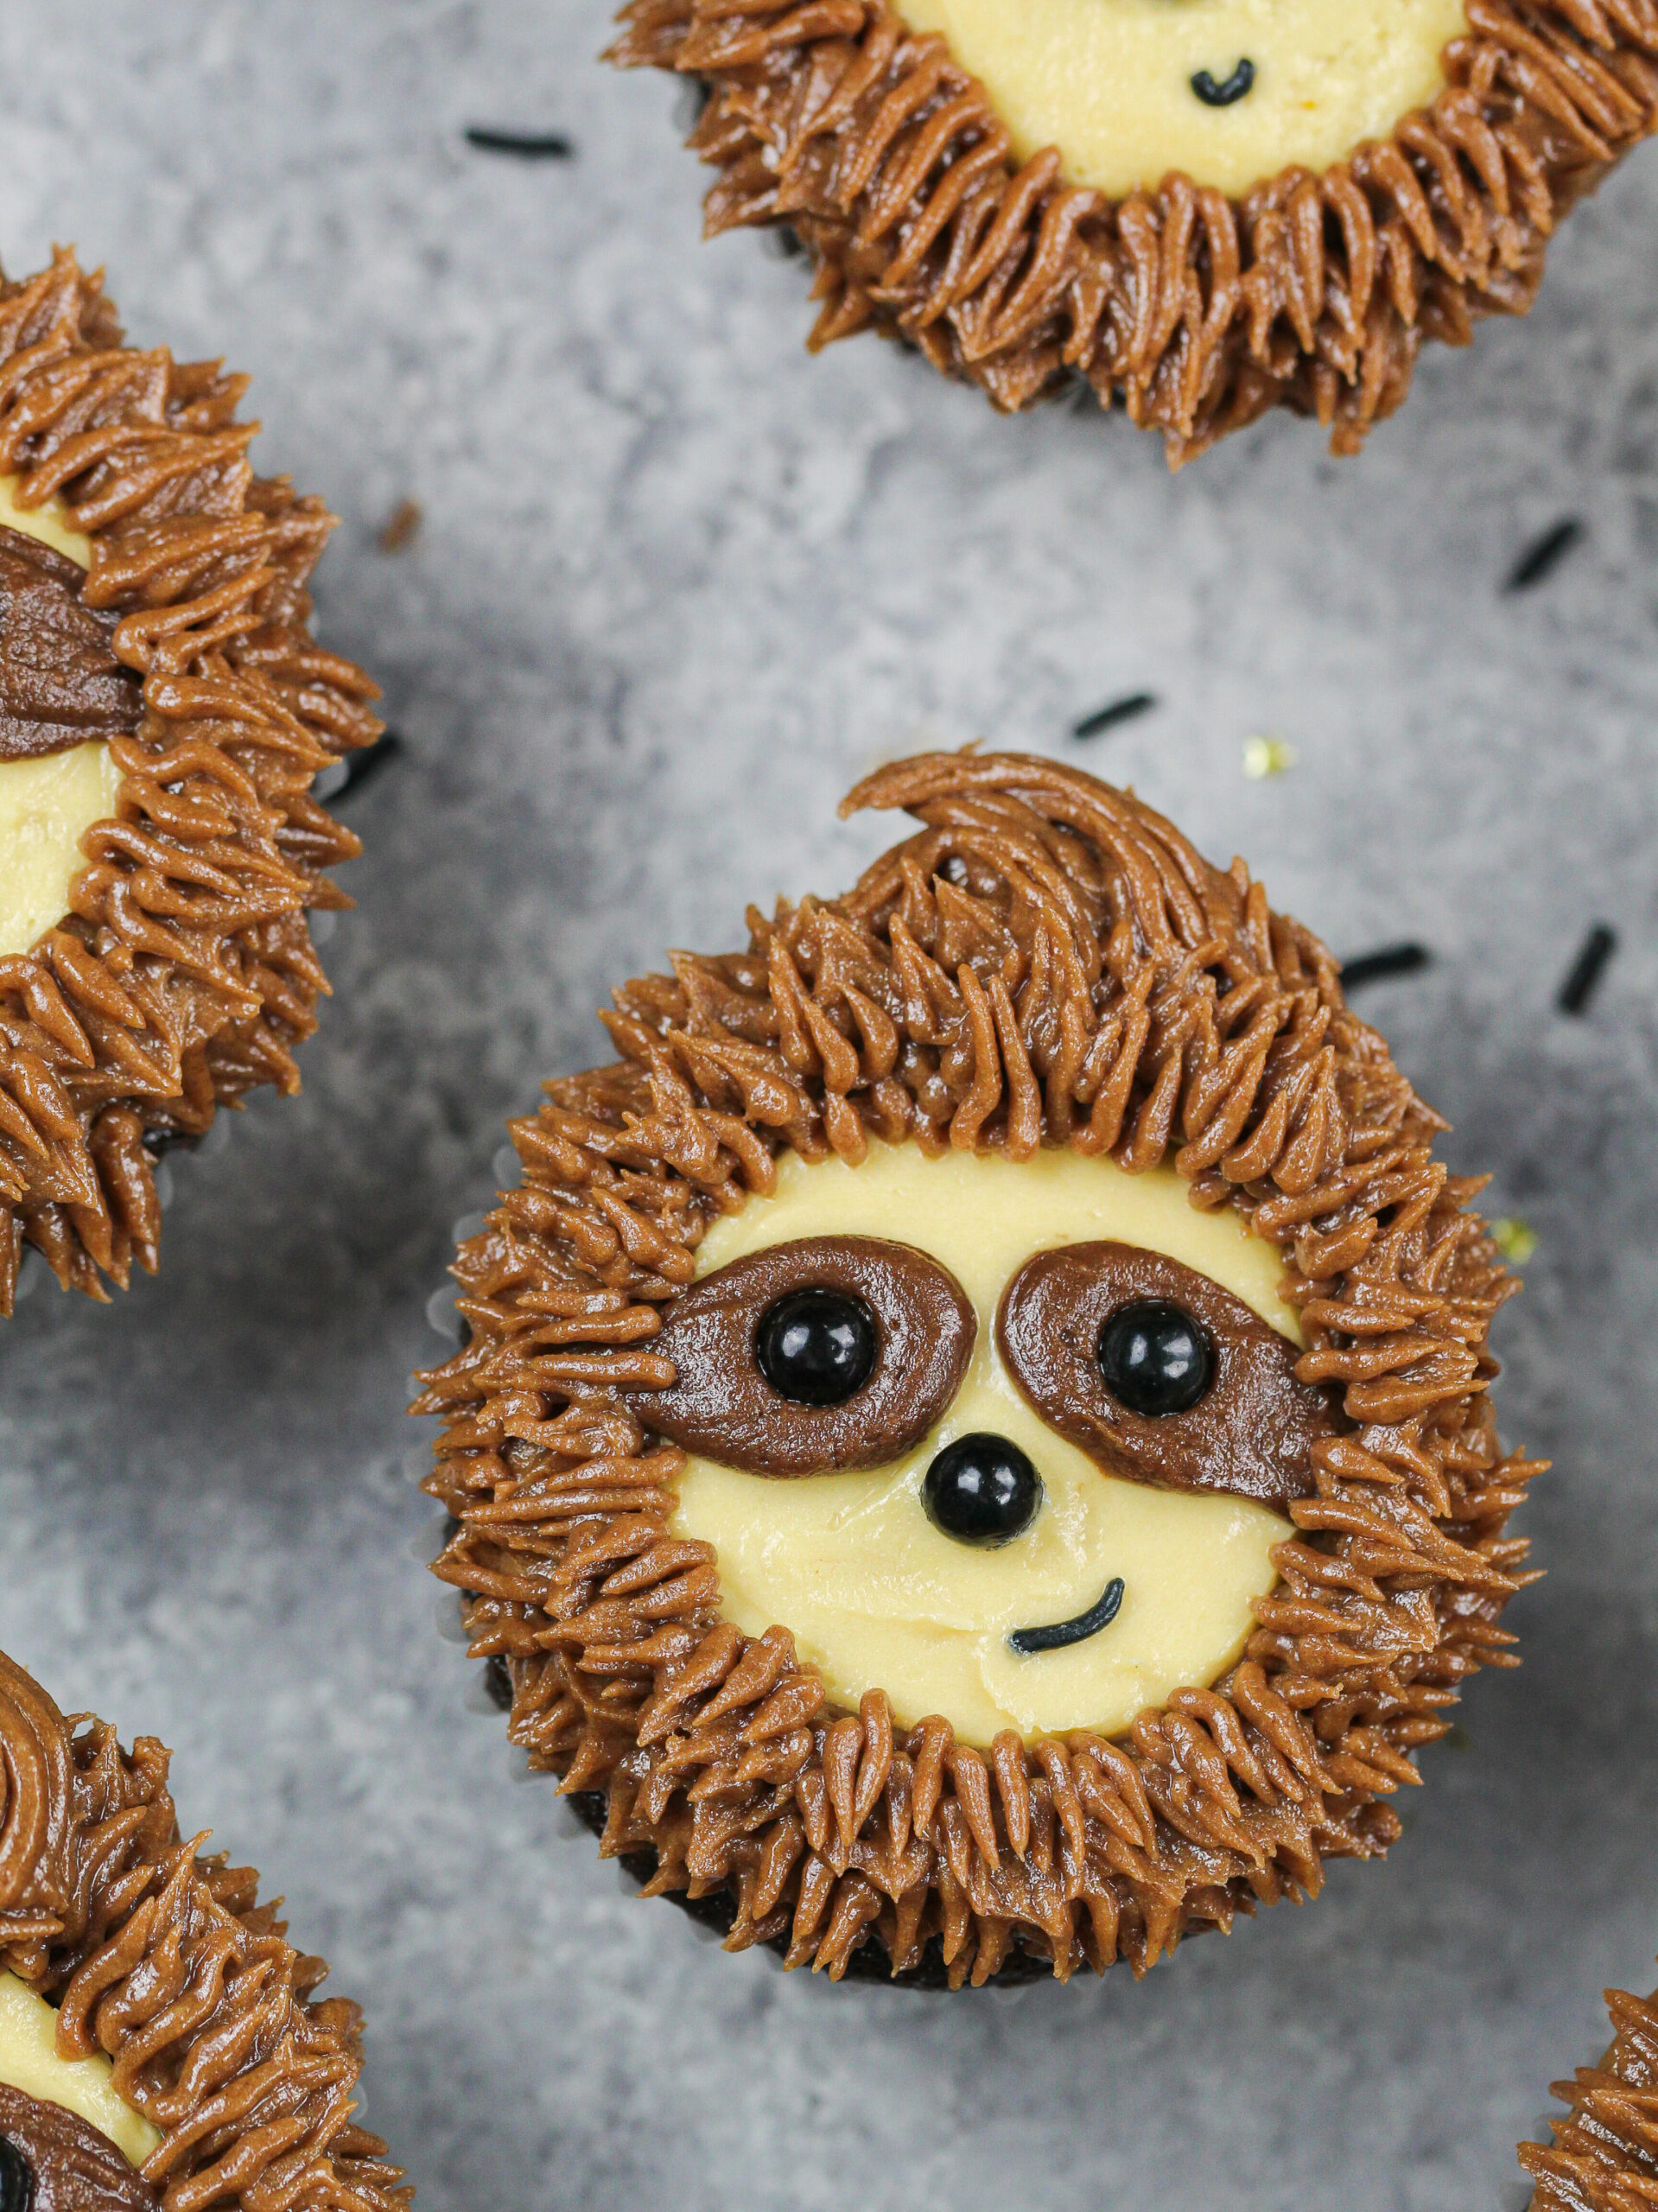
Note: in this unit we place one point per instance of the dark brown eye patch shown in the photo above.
(61, 684)
(52, 2160)
(826, 1353)
(1158, 1373)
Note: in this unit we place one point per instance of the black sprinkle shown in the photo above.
(1027, 1641)
(359, 766)
(1587, 970)
(1114, 711)
(527, 145)
(497, 1682)
(1542, 559)
(1223, 95)
(1385, 960)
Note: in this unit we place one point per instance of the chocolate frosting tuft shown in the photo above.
(183, 975)
(167, 1962)
(1196, 312)
(1604, 2157)
(60, 682)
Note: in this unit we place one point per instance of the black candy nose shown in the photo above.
(981, 1489)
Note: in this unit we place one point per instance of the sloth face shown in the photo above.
(1024, 1468)
(1226, 92)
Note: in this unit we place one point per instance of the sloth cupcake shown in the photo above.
(972, 1454)
(1204, 210)
(161, 2049)
(163, 712)
(1604, 2154)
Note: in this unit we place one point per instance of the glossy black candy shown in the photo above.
(817, 1347)
(1155, 1358)
(981, 1489)
(16, 2181)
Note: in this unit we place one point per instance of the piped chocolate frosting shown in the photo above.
(183, 974)
(1196, 312)
(165, 1961)
(1046, 961)
(1604, 2154)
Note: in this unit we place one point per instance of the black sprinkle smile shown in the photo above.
(1027, 1640)
(1223, 95)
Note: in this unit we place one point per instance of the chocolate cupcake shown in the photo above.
(1605, 2153)
(1204, 210)
(972, 1454)
(163, 713)
(161, 2045)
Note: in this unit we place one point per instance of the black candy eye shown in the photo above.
(817, 1347)
(1155, 1358)
(17, 2179)
(981, 1489)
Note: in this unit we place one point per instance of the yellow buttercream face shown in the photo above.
(875, 1594)
(47, 804)
(29, 2061)
(1110, 82)
(48, 521)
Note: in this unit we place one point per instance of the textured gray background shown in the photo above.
(678, 585)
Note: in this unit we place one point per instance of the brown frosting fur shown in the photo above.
(1251, 1433)
(167, 1961)
(59, 682)
(1196, 312)
(1046, 960)
(1604, 2154)
(73, 2168)
(717, 1402)
(184, 975)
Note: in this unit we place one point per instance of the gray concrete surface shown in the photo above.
(678, 585)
